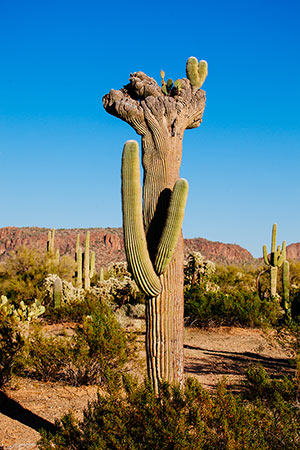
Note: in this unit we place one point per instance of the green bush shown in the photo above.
(11, 345)
(187, 419)
(96, 353)
(22, 275)
(241, 308)
(234, 279)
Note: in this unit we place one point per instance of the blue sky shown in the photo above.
(60, 152)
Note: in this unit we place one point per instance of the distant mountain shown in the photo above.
(109, 247)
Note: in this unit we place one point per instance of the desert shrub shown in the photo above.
(22, 274)
(233, 278)
(242, 308)
(96, 353)
(11, 345)
(176, 419)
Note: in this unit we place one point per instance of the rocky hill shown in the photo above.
(108, 244)
(293, 251)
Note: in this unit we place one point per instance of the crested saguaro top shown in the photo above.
(142, 104)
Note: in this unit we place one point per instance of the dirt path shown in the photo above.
(209, 355)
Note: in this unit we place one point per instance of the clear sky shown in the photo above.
(60, 152)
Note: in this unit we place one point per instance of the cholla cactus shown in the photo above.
(197, 269)
(69, 293)
(119, 285)
(23, 313)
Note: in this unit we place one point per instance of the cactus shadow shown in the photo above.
(226, 363)
(158, 221)
(15, 411)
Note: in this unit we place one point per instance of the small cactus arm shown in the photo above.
(134, 235)
(196, 72)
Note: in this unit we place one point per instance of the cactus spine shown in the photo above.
(277, 257)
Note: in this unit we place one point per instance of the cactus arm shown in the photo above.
(196, 72)
(49, 242)
(282, 256)
(265, 253)
(172, 227)
(202, 71)
(134, 234)
(274, 232)
(53, 240)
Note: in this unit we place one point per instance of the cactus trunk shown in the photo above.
(164, 313)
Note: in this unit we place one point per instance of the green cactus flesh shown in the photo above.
(134, 234)
(286, 287)
(202, 71)
(196, 72)
(79, 268)
(87, 261)
(273, 281)
(172, 227)
(57, 292)
(92, 264)
(265, 253)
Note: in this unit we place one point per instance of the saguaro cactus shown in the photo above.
(286, 288)
(51, 241)
(57, 292)
(87, 261)
(277, 257)
(153, 238)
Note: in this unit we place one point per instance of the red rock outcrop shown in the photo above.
(108, 244)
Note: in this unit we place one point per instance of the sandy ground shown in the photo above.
(209, 355)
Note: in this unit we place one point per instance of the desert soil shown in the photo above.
(210, 355)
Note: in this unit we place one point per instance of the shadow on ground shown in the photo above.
(15, 411)
(227, 364)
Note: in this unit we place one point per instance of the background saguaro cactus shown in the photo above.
(153, 248)
(286, 288)
(277, 257)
